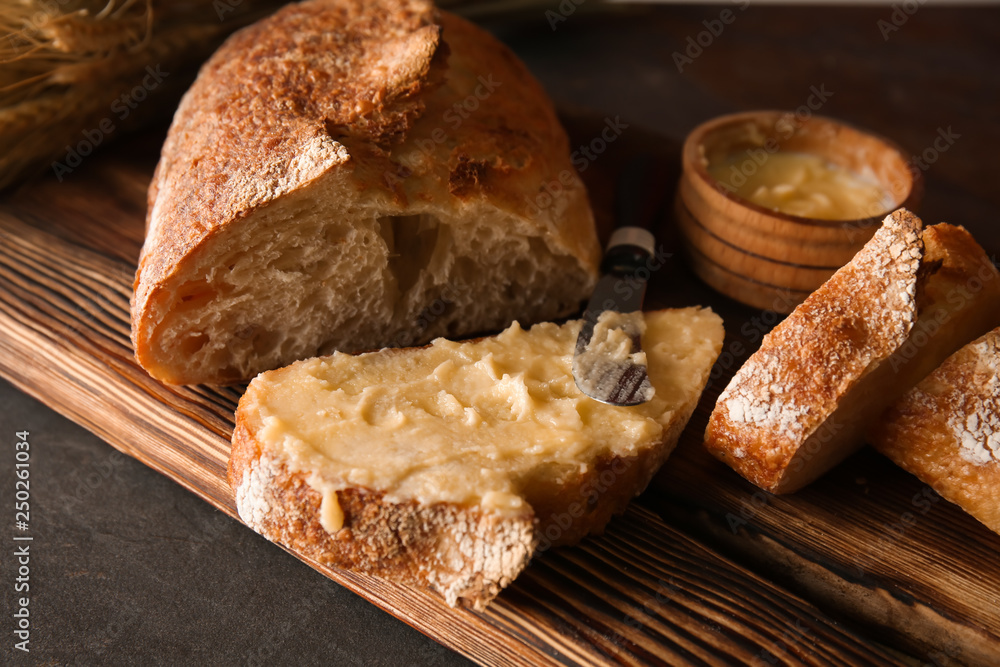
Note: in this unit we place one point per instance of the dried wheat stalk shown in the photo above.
(65, 65)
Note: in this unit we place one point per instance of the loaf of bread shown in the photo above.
(348, 175)
(802, 402)
(449, 466)
(946, 430)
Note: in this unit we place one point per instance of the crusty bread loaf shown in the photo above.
(449, 466)
(346, 176)
(802, 402)
(946, 430)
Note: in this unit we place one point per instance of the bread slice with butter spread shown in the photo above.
(449, 466)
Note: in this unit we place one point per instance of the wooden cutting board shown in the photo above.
(866, 566)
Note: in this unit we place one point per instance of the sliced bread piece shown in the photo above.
(946, 430)
(349, 175)
(449, 466)
(802, 402)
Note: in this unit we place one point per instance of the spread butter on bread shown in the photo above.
(946, 430)
(349, 175)
(449, 466)
(802, 402)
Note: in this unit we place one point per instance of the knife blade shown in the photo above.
(608, 362)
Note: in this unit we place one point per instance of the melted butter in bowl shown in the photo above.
(772, 203)
(805, 185)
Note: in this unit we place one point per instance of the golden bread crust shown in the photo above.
(801, 403)
(806, 364)
(463, 553)
(946, 430)
(263, 116)
(397, 109)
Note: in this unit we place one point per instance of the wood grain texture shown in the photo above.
(642, 593)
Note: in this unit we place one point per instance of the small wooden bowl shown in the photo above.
(762, 257)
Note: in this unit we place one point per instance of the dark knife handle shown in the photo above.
(625, 259)
(638, 206)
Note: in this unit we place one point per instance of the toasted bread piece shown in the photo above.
(349, 175)
(802, 402)
(449, 466)
(946, 430)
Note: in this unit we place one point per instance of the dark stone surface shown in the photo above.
(128, 567)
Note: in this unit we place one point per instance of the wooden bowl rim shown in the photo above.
(690, 162)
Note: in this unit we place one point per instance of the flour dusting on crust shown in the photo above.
(252, 496)
(767, 408)
(977, 425)
(845, 328)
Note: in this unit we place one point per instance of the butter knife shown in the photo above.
(608, 363)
